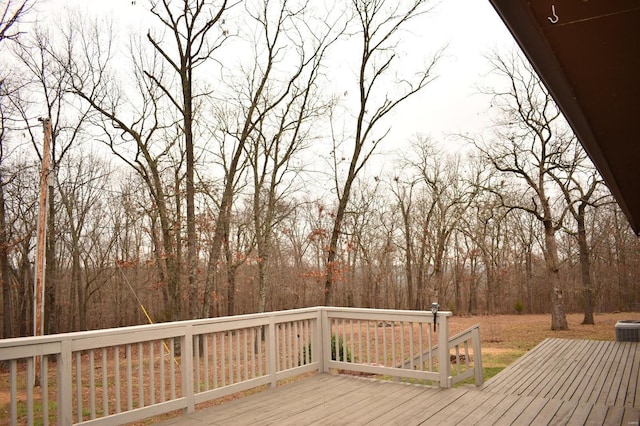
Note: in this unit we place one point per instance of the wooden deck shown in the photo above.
(558, 382)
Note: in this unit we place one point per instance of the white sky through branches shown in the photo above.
(449, 105)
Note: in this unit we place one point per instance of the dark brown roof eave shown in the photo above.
(517, 16)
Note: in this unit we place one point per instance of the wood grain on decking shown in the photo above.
(558, 382)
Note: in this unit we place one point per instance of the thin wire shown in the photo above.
(606, 15)
(146, 314)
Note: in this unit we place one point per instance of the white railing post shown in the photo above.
(186, 365)
(272, 351)
(316, 341)
(444, 364)
(64, 379)
(477, 355)
(326, 341)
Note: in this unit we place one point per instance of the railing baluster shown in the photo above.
(368, 342)
(129, 379)
(92, 385)
(377, 332)
(79, 415)
(238, 357)
(351, 346)
(402, 347)
(343, 339)
(205, 357)
(261, 367)
(116, 367)
(393, 344)
(105, 384)
(31, 380)
(152, 374)
(277, 345)
(44, 388)
(162, 364)
(304, 336)
(222, 358)
(286, 338)
(13, 380)
(384, 344)
(140, 375)
(245, 353)
(252, 351)
(429, 336)
(289, 353)
(215, 360)
(296, 341)
(466, 353)
(172, 368)
(359, 334)
(412, 355)
(196, 362)
(230, 345)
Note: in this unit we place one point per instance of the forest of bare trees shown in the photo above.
(207, 166)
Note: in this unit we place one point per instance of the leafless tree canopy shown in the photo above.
(206, 165)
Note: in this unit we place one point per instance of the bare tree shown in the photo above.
(579, 182)
(138, 130)
(10, 15)
(194, 26)
(267, 121)
(45, 93)
(378, 24)
(287, 109)
(530, 144)
(80, 194)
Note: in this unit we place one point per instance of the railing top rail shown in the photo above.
(381, 311)
(140, 333)
(462, 336)
(164, 330)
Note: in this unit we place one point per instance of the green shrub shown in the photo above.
(342, 350)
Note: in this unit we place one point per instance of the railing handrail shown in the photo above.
(104, 332)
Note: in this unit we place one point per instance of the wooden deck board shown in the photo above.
(558, 382)
(577, 373)
(631, 415)
(607, 373)
(622, 373)
(405, 412)
(631, 395)
(455, 413)
(573, 362)
(585, 375)
(522, 370)
(555, 374)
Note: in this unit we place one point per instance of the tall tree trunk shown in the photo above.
(192, 259)
(558, 315)
(585, 266)
(7, 315)
(332, 255)
(50, 307)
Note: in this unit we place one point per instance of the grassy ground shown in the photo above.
(507, 337)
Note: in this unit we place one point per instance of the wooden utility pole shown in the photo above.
(38, 308)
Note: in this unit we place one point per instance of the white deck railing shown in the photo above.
(131, 373)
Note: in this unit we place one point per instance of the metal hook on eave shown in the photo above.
(554, 18)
